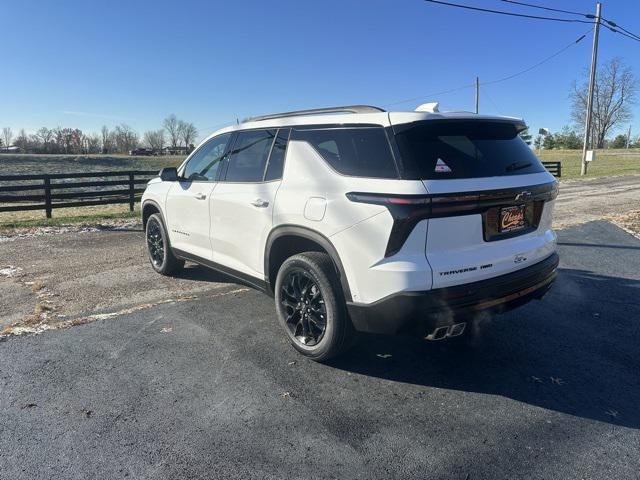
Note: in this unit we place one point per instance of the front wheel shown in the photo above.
(161, 257)
(311, 307)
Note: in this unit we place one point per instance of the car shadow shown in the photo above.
(200, 273)
(576, 352)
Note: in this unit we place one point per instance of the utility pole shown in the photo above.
(477, 93)
(592, 79)
(629, 137)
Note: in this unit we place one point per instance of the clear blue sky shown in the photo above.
(86, 64)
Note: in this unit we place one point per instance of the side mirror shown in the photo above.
(169, 174)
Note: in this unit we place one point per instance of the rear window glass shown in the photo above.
(459, 149)
(249, 156)
(278, 151)
(360, 152)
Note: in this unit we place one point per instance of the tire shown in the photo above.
(159, 250)
(307, 284)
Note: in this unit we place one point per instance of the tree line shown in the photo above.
(175, 134)
(570, 139)
(615, 93)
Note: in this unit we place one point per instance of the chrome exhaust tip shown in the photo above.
(457, 329)
(440, 333)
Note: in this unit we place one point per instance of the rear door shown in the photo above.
(187, 205)
(491, 197)
(242, 204)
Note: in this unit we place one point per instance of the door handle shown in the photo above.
(200, 196)
(258, 202)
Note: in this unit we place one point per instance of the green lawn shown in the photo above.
(608, 162)
(23, 164)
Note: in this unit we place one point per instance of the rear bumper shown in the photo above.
(420, 312)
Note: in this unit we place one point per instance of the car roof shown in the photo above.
(361, 115)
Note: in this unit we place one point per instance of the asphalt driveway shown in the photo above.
(209, 388)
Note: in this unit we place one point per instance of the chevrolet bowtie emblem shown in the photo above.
(523, 196)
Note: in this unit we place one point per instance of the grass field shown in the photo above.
(608, 162)
(19, 164)
(23, 164)
(10, 221)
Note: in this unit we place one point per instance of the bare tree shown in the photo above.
(7, 136)
(126, 138)
(188, 133)
(613, 95)
(44, 136)
(22, 141)
(107, 140)
(172, 126)
(93, 143)
(154, 139)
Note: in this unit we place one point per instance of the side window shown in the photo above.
(278, 152)
(249, 156)
(204, 164)
(359, 152)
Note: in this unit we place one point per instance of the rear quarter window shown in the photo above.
(358, 152)
(463, 149)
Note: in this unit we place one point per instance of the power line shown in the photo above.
(462, 87)
(511, 14)
(562, 50)
(622, 33)
(617, 28)
(407, 100)
(549, 8)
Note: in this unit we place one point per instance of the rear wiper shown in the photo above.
(517, 166)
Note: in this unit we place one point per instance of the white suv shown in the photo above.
(357, 219)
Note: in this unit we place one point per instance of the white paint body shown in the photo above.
(226, 228)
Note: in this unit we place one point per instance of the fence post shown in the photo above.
(47, 195)
(559, 169)
(132, 197)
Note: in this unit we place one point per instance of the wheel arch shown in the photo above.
(287, 240)
(149, 207)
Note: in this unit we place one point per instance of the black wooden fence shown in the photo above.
(62, 190)
(554, 168)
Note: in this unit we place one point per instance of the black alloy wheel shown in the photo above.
(311, 306)
(161, 256)
(305, 310)
(155, 244)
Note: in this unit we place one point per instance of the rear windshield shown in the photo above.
(460, 149)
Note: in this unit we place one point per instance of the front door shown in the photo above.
(243, 202)
(188, 200)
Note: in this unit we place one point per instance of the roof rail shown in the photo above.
(318, 111)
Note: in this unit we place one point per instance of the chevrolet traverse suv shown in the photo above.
(358, 219)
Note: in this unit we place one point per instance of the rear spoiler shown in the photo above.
(518, 123)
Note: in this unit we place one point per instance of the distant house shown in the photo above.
(179, 150)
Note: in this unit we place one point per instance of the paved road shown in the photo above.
(210, 389)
